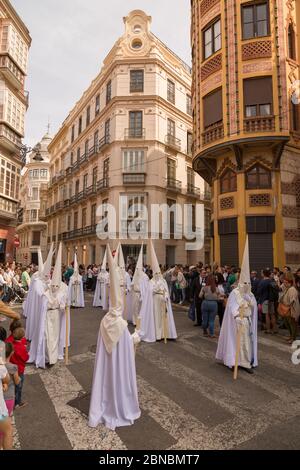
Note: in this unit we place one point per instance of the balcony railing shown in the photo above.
(174, 185)
(134, 133)
(259, 124)
(137, 86)
(103, 142)
(103, 184)
(213, 132)
(173, 142)
(79, 232)
(193, 191)
(134, 178)
(59, 176)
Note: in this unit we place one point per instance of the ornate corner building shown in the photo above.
(14, 45)
(32, 228)
(247, 128)
(130, 134)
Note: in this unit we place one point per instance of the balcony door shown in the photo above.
(171, 170)
(135, 124)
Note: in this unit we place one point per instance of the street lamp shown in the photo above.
(37, 157)
(25, 150)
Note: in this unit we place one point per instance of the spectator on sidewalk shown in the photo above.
(210, 296)
(20, 357)
(289, 297)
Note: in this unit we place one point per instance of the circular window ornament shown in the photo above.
(136, 44)
(137, 29)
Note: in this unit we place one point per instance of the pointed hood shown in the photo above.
(75, 276)
(48, 262)
(76, 269)
(56, 276)
(40, 261)
(154, 261)
(138, 269)
(121, 261)
(244, 279)
(113, 325)
(104, 262)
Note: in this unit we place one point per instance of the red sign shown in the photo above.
(17, 242)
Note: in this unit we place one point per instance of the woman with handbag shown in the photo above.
(289, 307)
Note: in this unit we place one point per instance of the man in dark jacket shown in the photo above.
(197, 285)
(267, 298)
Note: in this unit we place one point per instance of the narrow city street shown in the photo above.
(188, 401)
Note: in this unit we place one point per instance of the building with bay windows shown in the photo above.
(127, 142)
(32, 227)
(15, 42)
(246, 57)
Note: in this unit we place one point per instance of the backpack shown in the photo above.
(273, 292)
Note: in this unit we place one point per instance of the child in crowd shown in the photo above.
(12, 369)
(19, 357)
(6, 435)
(12, 327)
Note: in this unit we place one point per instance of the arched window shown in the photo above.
(228, 181)
(291, 42)
(258, 177)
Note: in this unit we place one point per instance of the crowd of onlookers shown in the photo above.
(206, 289)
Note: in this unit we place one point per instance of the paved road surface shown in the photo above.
(188, 401)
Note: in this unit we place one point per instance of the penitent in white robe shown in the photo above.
(226, 351)
(114, 398)
(32, 306)
(162, 310)
(75, 290)
(49, 336)
(102, 291)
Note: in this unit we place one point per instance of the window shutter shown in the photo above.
(258, 91)
(213, 108)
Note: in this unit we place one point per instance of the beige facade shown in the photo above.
(247, 128)
(128, 135)
(15, 42)
(32, 228)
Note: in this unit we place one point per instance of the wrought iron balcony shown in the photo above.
(193, 191)
(134, 133)
(173, 142)
(103, 184)
(213, 132)
(259, 124)
(134, 178)
(174, 185)
(103, 142)
(79, 232)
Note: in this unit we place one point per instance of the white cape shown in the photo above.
(49, 333)
(102, 291)
(75, 292)
(228, 335)
(33, 306)
(114, 398)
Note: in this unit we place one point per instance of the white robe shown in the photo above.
(49, 335)
(162, 310)
(226, 351)
(75, 288)
(114, 397)
(128, 299)
(147, 328)
(102, 291)
(32, 306)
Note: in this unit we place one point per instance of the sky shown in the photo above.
(70, 39)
